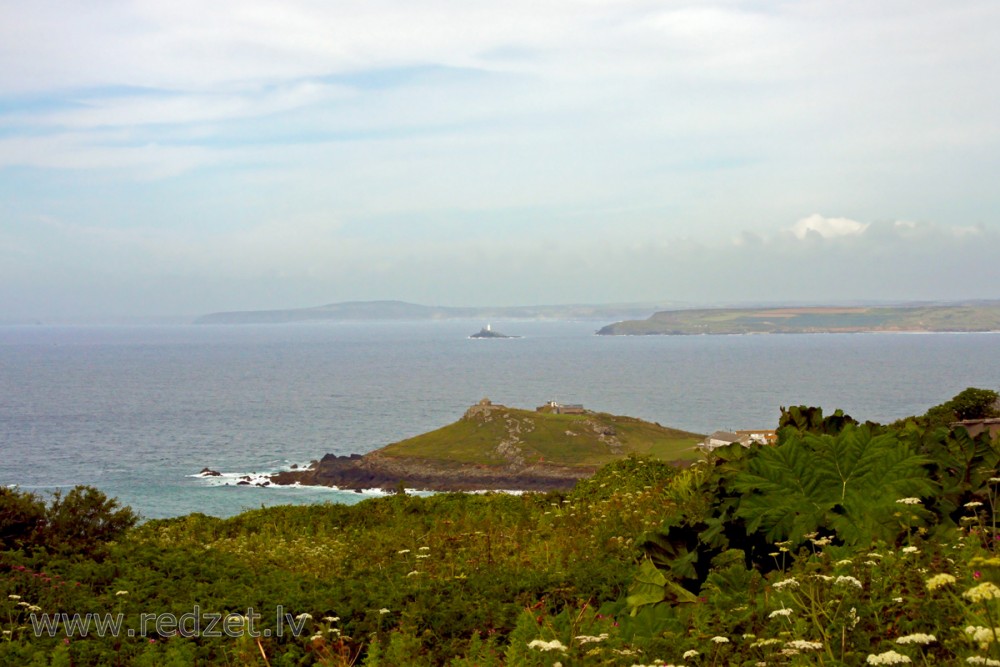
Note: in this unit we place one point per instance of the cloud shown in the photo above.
(612, 149)
(827, 228)
(114, 110)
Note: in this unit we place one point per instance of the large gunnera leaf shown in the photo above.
(846, 484)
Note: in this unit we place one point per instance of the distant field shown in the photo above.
(955, 318)
(586, 440)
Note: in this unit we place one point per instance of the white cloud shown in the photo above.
(172, 108)
(827, 228)
(227, 135)
(113, 151)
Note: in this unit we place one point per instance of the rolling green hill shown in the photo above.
(496, 435)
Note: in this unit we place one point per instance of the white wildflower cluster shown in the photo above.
(803, 645)
(304, 617)
(910, 550)
(554, 645)
(973, 504)
(780, 612)
(785, 583)
(888, 658)
(720, 640)
(905, 501)
(690, 654)
(917, 638)
(939, 581)
(403, 551)
(847, 580)
(979, 660)
(765, 642)
(121, 592)
(13, 597)
(984, 591)
(590, 639)
(982, 636)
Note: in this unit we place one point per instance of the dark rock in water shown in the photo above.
(295, 466)
(210, 473)
(242, 482)
(487, 332)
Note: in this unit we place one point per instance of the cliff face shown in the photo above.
(497, 447)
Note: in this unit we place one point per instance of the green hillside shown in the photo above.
(983, 316)
(498, 435)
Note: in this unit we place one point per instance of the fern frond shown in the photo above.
(849, 483)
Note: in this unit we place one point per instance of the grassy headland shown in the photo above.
(497, 435)
(951, 318)
(498, 447)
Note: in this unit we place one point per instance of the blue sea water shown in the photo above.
(138, 411)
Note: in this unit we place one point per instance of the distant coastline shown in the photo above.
(982, 317)
(403, 311)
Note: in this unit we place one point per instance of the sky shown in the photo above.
(170, 159)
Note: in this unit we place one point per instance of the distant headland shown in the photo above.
(973, 317)
(403, 311)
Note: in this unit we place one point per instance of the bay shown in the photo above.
(137, 411)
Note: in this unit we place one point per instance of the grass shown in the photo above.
(586, 440)
(814, 320)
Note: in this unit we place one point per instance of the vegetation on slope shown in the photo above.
(980, 317)
(494, 435)
(844, 544)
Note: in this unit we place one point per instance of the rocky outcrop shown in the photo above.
(375, 471)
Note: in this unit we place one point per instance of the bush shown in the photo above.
(84, 519)
(79, 522)
(22, 517)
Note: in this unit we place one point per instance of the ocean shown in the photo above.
(139, 411)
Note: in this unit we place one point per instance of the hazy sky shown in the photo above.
(180, 157)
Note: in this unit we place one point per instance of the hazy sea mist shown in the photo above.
(136, 411)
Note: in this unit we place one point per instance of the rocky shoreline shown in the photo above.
(377, 471)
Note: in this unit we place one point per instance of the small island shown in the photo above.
(495, 447)
(488, 332)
